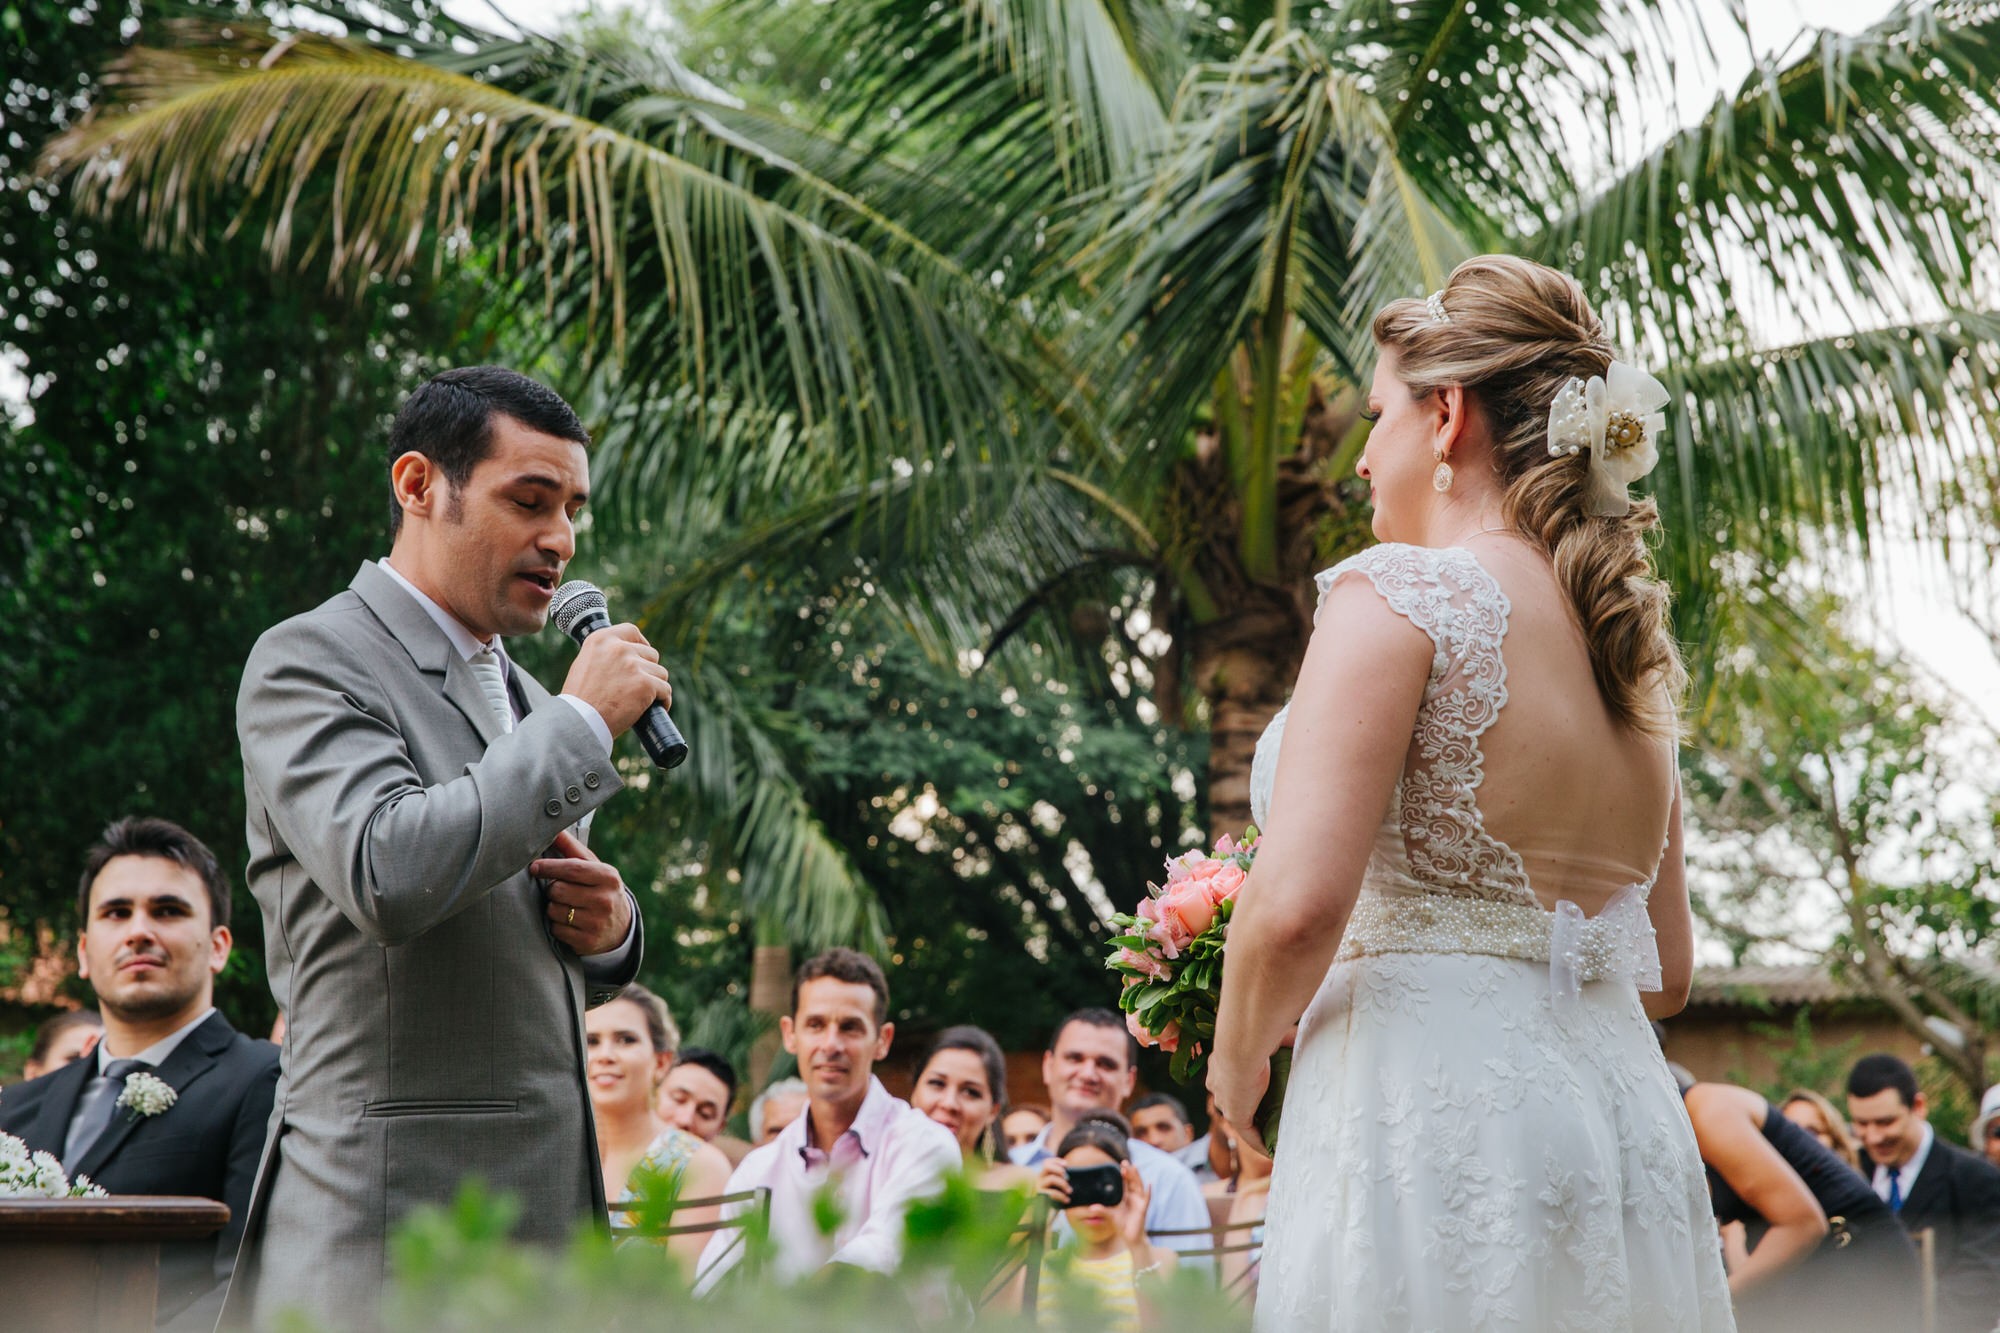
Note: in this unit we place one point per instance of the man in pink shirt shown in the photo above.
(883, 1154)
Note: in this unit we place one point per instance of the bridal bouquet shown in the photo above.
(1169, 953)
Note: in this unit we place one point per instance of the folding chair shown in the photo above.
(759, 1200)
(1226, 1242)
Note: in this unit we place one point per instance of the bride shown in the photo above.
(1470, 883)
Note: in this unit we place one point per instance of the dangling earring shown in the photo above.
(1441, 474)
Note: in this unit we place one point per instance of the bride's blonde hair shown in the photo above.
(1515, 333)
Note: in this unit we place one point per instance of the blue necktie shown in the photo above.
(1896, 1191)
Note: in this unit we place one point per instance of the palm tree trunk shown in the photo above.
(770, 993)
(1244, 665)
(1244, 659)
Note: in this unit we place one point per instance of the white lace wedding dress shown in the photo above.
(1480, 1132)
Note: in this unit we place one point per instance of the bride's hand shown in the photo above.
(1238, 1089)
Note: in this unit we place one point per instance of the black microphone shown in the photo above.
(579, 611)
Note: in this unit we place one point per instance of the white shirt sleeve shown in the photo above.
(598, 727)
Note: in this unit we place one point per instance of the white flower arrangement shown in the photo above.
(147, 1095)
(38, 1175)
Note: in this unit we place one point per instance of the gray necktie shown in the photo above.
(493, 684)
(96, 1108)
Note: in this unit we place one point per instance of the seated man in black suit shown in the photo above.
(155, 912)
(1930, 1184)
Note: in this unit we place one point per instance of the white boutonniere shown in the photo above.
(146, 1095)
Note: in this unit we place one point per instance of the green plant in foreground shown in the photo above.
(457, 1269)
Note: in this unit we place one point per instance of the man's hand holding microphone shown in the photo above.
(619, 674)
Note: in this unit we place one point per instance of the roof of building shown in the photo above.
(1760, 986)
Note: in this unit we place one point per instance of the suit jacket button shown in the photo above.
(591, 780)
(573, 793)
(554, 807)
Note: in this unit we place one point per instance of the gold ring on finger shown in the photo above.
(571, 919)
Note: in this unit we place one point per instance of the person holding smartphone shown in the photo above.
(1103, 1198)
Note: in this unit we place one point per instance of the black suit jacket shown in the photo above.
(206, 1144)
(1957, 1196)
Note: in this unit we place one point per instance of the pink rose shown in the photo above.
(1227, 847)
(1190, 906)
(1224, 883)
(1149, 963)
(1139, 1031)
(1169, 1040)
(1169, 935)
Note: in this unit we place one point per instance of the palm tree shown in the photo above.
(1049, 304)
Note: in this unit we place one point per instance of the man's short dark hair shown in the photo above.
(449, 420)
(703, 1058)
(1880, 1072)
(1168, 1100)
(1097, 1018)
(845, 965)
(137, 835)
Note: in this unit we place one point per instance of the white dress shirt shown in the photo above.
(1906, 1176)
(156, 1054)
(467, 643)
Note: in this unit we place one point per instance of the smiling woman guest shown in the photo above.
(962, 1085)
(629, 1044)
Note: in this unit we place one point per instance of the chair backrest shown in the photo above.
(758, 1199)
(1231, 1245)
(1021, 1267)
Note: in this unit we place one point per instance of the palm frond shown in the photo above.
(696, 256)
(1848, 188)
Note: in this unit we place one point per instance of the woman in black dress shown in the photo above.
(1822, 1252)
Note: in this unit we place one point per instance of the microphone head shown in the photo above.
(574, 602)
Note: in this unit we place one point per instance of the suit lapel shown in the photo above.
(194, 1057)
(51, 1123)
(1931, 1180)
(428, 646)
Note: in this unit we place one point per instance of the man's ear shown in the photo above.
(884, 1040)
(82, 959)
(787, 1035)
(417, 484)
(219, 941)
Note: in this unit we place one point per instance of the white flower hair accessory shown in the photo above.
(146, 1095)
(1435, 304)
(1618, 418)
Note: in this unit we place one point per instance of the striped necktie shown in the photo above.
(493, 684)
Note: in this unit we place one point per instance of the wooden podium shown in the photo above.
(92, 1264)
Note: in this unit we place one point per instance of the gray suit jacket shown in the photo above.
(434, 1027)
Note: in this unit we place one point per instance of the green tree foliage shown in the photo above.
(1844, 811)
(201, 455)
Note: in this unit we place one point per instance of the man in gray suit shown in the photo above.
(434, 925)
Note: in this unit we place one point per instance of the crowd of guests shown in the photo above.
(1819, 1208)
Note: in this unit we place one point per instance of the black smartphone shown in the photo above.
(1096, 1184)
